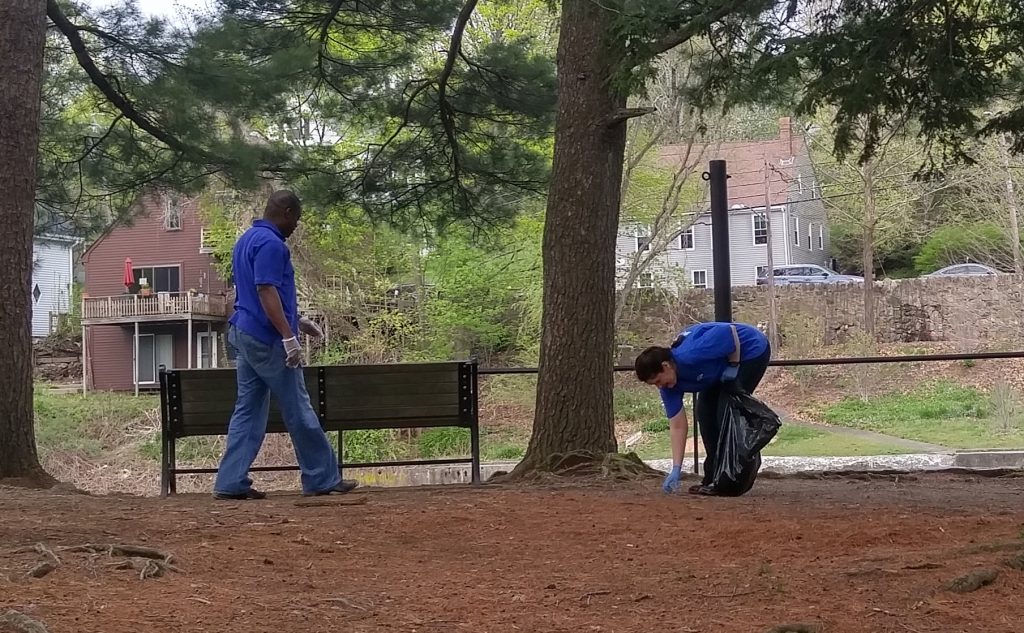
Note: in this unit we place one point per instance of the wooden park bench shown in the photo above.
(199, 402)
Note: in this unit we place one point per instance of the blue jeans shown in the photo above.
(261, 370)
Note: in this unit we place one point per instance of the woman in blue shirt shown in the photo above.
(702, 360)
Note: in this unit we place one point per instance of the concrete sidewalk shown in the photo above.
(920, 462)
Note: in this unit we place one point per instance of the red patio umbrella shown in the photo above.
(129, 274)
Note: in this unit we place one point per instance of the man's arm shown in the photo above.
(271, 302)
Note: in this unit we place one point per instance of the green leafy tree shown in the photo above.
(982, 242)
(484, 290)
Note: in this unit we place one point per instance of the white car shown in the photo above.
(807, 274)
(964, 270)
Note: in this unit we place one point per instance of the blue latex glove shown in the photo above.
(672, 480)
(730, 373)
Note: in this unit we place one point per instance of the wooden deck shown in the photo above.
(158, 307)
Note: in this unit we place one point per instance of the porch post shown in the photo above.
(190, 341)
(213, 347)
(85, 363)
(135, 358)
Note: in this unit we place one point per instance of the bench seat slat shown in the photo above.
(208, 425)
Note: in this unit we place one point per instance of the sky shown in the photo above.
(156, 8)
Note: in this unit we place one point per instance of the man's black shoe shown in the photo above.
(251, 493)
(346, 485)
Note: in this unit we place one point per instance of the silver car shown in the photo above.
(807, 274)
(964, 270)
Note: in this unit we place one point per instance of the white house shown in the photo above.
(798, 222)
(53, 270)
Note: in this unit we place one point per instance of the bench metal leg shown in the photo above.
(341, 455)
(474, 446)
(172, 475)
(165, 467)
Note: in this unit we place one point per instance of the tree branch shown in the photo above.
(623, 115)
(447, 112)
(696, 25)
(117, 99)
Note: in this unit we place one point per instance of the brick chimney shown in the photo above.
(786, 133)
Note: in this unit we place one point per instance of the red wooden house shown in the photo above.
(153, 297)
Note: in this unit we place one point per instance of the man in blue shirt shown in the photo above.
(703, 359)
(263, 336)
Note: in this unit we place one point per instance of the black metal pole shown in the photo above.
(720, 240)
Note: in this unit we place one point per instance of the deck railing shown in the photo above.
(156, 305)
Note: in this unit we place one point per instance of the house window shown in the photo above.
(686, 242)
(642, 244)
(810, 229)
(700, 279)
(760, 272)
(760, 228)
(205, 241)
(159, 278)
(796, 231)
(172, 213)
(645, 280)
(821, 237)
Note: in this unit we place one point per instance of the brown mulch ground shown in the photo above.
(850, 555)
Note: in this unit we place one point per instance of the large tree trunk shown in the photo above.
(1011, 207)
(574, 391)
(868, 249)
(22, 29)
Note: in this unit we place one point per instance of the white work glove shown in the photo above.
(293, 352)
(308, 327)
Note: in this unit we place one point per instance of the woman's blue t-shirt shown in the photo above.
(701, 356)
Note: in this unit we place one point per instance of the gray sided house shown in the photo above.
(798, 223)
(53, 273)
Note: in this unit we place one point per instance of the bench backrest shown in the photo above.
(344, 397)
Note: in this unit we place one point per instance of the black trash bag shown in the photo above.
(746, 425)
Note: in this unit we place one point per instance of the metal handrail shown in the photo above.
(807, 362)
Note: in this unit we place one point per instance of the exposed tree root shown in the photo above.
(128, 551)
(581, 465)
(149, 562)
(15, 622)
(36, 480)
(973, 581)
(1015, 562)
(147, 567)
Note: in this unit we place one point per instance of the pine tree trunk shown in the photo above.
(574, 391)
(868, 250)
(22, 29)
(1011, 207)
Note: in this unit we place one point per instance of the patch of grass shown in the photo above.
(638, 404)
(942, 413)
(87, 424)
(792, 441)
(802, 441)
(187, 450)
(446, 442)
(503, 452)
(658, 445)
(655, 426)
(373, 446)
(519, 389)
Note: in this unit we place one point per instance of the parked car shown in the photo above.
(964, 270)
(807, 274)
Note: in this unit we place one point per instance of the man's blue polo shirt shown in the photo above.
(261, 258)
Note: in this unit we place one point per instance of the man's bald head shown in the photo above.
(283, 211)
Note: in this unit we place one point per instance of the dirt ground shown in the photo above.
(849, 555)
